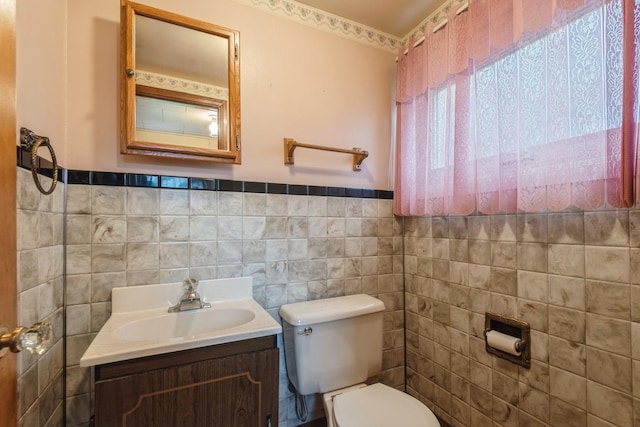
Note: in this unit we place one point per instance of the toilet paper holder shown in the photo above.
(508, 332)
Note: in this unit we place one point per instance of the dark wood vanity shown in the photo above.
(226, 385)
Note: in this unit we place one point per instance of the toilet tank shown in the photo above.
(332, 343)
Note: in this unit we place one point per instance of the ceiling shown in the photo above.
(395, 17)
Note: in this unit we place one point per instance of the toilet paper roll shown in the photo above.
(503, 342)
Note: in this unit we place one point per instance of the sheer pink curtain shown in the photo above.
(520, 105)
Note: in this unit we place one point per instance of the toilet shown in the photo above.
(332, 346)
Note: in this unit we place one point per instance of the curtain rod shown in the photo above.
(438, 27)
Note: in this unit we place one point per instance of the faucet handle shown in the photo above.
(190, 284)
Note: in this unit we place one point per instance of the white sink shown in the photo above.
(141, 326)
(184, 325)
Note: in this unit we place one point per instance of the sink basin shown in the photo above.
(140, 324)
(184, 325)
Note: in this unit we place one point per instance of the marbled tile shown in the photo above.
(229, 203)
(607, 228)
(317, 248)
(206, 228)
(609, 334)
(503, 228)
(609, 369)
(276, 250)
(440, 248)
(27, 194)
(607, 263)
(335, 206)
(27, 230)
(78, 289)
(78, 229)
(609, 299)
(298, 206)
(174, 255)
(567, 260)
(298, 271)
(369, 208)
(532, 256)
(566, 323)
(459, 250)
(175, 202)
(336, 227)
(610, 405)
(298, 227)
(504, 414)
(103, 283)
(533, 286)
(143, 277)
(503, 254)
(567, 292)
(479, 227)
(568, 387)
(504, 281)
(531, 228)
(229, 228)
(566, 415)
(28, 269)
(277, 205)
(566, 228)
(107, 200)
(318, 227)
(143, 256)
(79, 199)
(254, 204)
(534, 401)
(142, 229)
(143, 201)
(108, 257)
(174, 228)
(252, 251)
(533, 313)
(568, 355)
(634, 261)
(353, 207)
(276, 272)
(108, 229)
(78, 319)
(503, 304)
(275, 228)
(296, 248)
(318, 206)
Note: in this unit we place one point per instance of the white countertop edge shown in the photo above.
(101, 358)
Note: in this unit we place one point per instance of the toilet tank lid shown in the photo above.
(329, 309)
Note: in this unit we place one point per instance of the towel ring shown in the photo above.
(32, 142)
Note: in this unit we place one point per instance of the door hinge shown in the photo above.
(237, 142)
(235, 51)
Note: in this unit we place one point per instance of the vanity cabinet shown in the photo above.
(226, 385)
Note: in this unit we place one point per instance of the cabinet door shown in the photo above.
(234, 391)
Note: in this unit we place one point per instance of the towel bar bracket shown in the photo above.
(290, 145)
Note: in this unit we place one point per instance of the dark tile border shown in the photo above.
(179, 182)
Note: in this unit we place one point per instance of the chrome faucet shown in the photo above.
(190, 300)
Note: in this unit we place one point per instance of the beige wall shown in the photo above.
(296, 81)
(41, 70)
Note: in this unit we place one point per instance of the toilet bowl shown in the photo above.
(375, 405)
(332, 346)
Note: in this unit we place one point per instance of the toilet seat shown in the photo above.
(378, 405)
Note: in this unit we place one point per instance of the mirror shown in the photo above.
(180, 86)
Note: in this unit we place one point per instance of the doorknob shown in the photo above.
(34, 339)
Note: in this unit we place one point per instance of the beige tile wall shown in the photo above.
(296, 248)
(573, 276)
(40, 297)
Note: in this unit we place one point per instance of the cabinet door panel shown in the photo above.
(235, 391)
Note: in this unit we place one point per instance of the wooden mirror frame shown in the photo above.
(128, 89)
